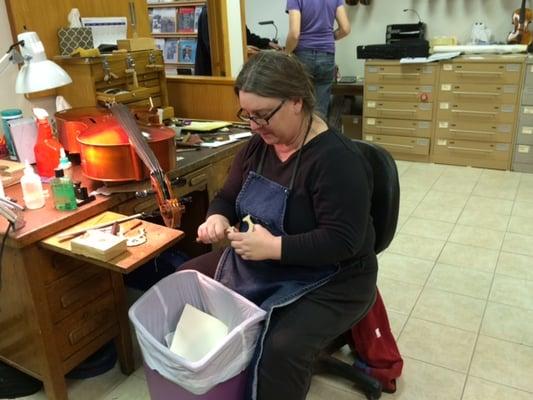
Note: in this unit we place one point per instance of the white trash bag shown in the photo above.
(157, 312)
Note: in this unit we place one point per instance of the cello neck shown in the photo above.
(523, 12)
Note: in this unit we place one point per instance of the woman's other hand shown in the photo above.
(256, 245)
(213, 229)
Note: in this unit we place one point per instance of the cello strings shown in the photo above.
(126, 120)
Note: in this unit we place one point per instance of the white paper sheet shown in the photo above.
(106, 30)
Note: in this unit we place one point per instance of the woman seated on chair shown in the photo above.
(296, 210)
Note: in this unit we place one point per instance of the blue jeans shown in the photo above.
(321, 66)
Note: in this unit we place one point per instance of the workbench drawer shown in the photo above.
(86, 324)
(77, 289)
(476, 131)
(421, 93)
(493, 73)
(400, 144)
(475, 154)
(475, 92)
(400, 110)
(61, 265)
(400, 74)
(482, 111)
(397, 127)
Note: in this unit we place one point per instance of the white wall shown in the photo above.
(235, 36)
(443, 17)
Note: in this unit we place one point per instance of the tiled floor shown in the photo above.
(458, 285)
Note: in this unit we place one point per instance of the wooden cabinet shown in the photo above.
(398, 107)
(523, 148)
(174, 25)
(476, 113)
(131, 78)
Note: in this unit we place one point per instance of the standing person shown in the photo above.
(309, 261)
(312, 39)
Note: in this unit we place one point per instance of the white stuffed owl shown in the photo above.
(480, 33)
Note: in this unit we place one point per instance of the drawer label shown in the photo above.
(522, 148)
(442, 142)
(447, 67)
(504, 128)
(424, 125)
(371, 104)
(528, 110)
(510, 89)
(370, 121)
(446, 87)
(527, 130)
(443, 124)
(507, 108)
(372, 88)
(427, 70)
(512, 67)
(422, 142)
(425, 106)
(502, 146)
(444, 106)
(531, 68)
(372, 69)
(369, 138)
(426, 89)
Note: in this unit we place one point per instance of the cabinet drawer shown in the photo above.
(399, 110)
(423, 93)
(475, 154)
(499, 73)
(527, 95)
(60, 265)
(397, 127)
(76, 289)
(401, 74)
(476, 131)
(522, 167)
(523, 153)
(118, 64)
(524, 134)
(481, 111)
(401, 144)
(529, 76)
(465, 92)
(86, 324)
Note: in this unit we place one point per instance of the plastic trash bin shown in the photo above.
(221, 373)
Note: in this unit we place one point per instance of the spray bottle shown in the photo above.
(46, 148)
(32, 189)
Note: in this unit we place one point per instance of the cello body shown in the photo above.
(521, 19)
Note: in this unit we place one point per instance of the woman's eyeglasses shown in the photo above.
(259, 120)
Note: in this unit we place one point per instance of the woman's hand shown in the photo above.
(256, 245)
(213, 229)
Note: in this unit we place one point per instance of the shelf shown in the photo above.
(177, 4)
(173, 35)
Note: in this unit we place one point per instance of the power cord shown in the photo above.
(9, 227)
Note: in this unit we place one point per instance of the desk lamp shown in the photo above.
(270, 22)
(37, 72)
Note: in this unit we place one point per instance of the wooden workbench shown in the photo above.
(55, 311)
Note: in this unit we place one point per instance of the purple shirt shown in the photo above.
(316, 30)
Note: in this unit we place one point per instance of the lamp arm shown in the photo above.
(4, 62)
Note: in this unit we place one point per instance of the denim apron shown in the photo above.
(267, 283)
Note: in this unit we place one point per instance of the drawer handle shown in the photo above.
(477, 94)
(398, 128)
(196, 180)
(472, 132)
(475, 112)
(413, 94)
(479, 73)
(470, 150)
(398, 75)
(396, 110)
(404, 146)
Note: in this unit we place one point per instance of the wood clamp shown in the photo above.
(130, 69)
(108, 74)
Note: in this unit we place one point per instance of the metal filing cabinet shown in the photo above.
(398, 107)
(477, 102)
(523, 149)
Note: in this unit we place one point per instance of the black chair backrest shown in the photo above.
(386, 193)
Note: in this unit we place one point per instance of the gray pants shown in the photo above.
(321, 67)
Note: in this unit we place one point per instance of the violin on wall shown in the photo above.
(522, 17)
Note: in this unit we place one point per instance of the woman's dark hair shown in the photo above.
(277, 74)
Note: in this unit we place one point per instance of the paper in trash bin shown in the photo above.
(197, 333)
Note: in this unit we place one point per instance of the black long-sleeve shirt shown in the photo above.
(328, 211)
(255, 40)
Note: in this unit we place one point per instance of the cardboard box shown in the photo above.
(352, 126)
(136, 44)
